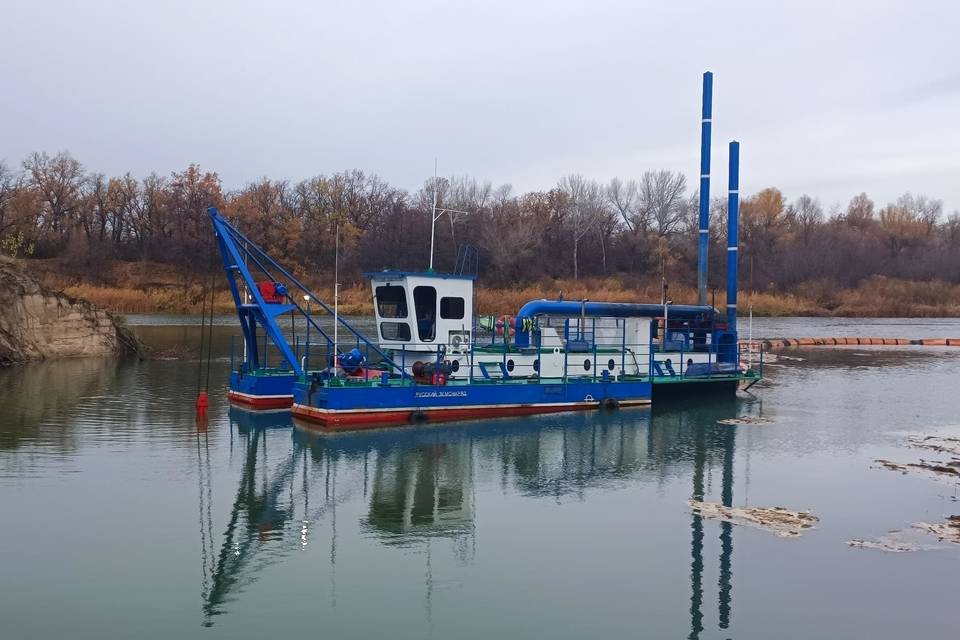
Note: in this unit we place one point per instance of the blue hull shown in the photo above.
(272, 391)
(379, 405)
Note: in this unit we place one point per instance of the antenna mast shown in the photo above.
(436, 213)
(433, 212)
(336, 295)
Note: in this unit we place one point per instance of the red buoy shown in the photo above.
(202, 403)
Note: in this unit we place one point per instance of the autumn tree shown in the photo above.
(629, 227)
(59, 183)
(859, 214)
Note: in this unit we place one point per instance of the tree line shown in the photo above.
(641, 228)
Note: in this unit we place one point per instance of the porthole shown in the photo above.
(455, 366)
(611, 365)
(586, 364)
(510, 365)
(536, 365)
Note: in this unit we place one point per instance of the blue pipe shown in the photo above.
(572, 309)
(704, 235)
(733, 235)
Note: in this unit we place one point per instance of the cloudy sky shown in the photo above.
(827, 98)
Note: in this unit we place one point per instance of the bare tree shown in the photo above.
(9, 186)
(859, 212)
(926, 211)
(122, 195)
(623, 197)
(511, 241)
(96, 207)
(804, 216)
(586, 206)
(661, 200)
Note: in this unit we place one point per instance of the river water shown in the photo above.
(122, 520)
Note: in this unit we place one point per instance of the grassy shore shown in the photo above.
(159, 291)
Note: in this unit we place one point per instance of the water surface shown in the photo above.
(122, 519)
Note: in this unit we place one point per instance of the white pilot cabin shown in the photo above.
(418, 312)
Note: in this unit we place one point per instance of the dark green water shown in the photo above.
(121, 520)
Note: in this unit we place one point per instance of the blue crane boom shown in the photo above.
(237, 251)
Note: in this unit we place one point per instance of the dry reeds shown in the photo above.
(875, 297)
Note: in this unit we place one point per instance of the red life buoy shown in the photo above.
(503, 322)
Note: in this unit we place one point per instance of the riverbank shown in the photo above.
(39, 323)
(152, 288)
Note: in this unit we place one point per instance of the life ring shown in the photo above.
(502, 323)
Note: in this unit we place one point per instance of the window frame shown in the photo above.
(404, 325)
(401, 302)
(462, 308)
(432, 335)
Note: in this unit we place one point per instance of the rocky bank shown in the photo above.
(37, 323)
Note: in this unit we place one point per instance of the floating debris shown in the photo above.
(891, 465)
(893, 542)
(948, 531)
(744, 420)
(777, 520)
(780, 356)
(950, 469)
(898, 541)
(940, 444)
(943, 468)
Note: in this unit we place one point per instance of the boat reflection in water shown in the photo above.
(418, 484)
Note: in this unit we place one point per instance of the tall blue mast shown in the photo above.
(704, 235)
(733, 233)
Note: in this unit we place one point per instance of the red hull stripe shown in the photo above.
(259, 402)
(373, 418)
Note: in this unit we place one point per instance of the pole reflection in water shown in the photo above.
(415, 486)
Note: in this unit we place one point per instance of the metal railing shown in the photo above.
(500, 362)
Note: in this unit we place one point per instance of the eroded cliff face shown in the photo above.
(37, 323)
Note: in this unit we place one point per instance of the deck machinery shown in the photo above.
(433, 361)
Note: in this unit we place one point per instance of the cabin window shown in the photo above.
(451, 308)
(392, 302)
(395, 331)
(425, 305)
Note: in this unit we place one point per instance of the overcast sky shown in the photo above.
(828, 98)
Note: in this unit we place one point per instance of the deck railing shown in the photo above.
(586, 355)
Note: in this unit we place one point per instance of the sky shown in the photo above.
(826, 98)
